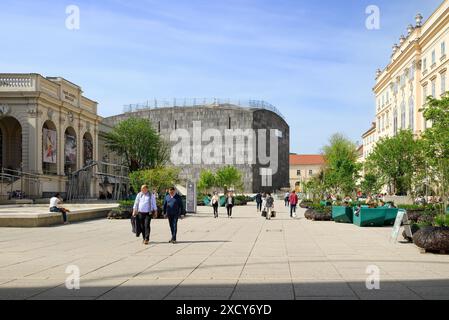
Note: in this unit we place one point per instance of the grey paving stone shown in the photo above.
(243, 258)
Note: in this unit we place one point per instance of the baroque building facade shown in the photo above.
(48, 130)
(418, 68)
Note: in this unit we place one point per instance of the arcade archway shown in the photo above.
(10, 144)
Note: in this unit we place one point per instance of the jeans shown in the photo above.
(269, 210)
(229, 209)
(259, 206)
(287, 202)
(173, 222)
(215, 210)
(145, 224)
(292, 209)
(56, 209)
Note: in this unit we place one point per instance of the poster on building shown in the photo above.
(70, 149)
(88, 151)
(49, 146)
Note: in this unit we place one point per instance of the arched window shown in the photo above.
(49, 148)
(411, 114)
(70, 151)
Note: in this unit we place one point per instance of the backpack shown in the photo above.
(269, 202)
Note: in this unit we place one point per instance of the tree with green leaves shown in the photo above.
(228, 177)
(342, 168)
(207, 181)
(159, 178)
(315, 187)
(396, 162)
(435, 142)
(139, 144)
(370, 184)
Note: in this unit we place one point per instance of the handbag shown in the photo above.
(264, 214)
(273, 214)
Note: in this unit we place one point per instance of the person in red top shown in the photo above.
(293, 203)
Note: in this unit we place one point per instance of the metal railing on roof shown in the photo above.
(198, 102)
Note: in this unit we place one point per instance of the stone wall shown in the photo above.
(221, 118)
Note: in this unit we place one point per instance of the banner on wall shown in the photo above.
(88, 151)
(70, 149)
(49, 146)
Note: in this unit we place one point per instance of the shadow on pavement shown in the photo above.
(174, 289)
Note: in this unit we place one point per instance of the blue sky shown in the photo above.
(314, 60)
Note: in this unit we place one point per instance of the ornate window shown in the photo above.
(395, 120)
(411, 114)
(403, 115)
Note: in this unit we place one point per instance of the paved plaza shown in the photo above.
(245, 257)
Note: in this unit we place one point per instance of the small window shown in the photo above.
(176, 124)
(298, 173)
(434, 89)
(229, 123)
(424, 64)
(434, 60)
(443, 49)
(310, 172)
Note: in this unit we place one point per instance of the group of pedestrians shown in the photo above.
(229, 204)
(145, 208)
(265, 204)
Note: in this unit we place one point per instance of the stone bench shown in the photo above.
(38, 216)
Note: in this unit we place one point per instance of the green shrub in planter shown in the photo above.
(119, 213)
(441, 220)
(412, 207)
(126, 203)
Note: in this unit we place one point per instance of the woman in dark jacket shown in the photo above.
(230, 202)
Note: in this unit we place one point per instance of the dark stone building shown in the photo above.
(215, 122)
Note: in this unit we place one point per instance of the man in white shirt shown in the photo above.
(55, 206)
(144, 207)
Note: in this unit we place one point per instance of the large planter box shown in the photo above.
(377, 217)
(390, 216)
(342, 214)
(222, 201)
(369, 217)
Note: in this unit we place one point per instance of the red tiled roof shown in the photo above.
(306, 159)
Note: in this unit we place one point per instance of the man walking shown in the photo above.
(293, 199)
(144, 207)
(173, 209)
(259, 202)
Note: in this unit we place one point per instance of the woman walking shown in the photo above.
(230, 202)
(215, 202)
(269, 206)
